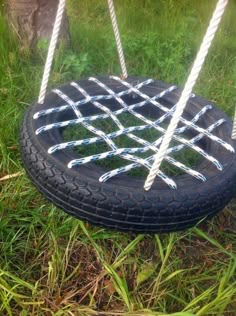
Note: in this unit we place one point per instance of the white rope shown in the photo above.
(233, 136)
(51, 50)
(206, 43)
(117, 38)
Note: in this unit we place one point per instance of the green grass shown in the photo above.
(52, 264)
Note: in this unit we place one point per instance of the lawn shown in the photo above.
(53, 264)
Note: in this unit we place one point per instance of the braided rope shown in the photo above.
(51, 50)
(127, 153)
(154, 124)
(147, 145)
(117, 171)
(117, 38)
(122, 152)
(233, 136)
(92, 140)
(213, 26)
(95, 98)
(181, 119)
(45, 128)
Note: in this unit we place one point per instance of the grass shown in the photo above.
(52, 264)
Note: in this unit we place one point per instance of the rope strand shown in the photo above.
(117, 38)
(233, 136)
(51, 50)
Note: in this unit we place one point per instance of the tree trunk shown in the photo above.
(33, 20)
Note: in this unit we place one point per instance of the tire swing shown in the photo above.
(79, 184)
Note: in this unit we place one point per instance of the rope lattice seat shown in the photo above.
(132, 93)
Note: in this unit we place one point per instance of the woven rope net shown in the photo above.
(138, 99)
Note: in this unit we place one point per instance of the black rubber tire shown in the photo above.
(121, 202)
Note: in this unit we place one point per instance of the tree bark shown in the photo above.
(33, 20)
